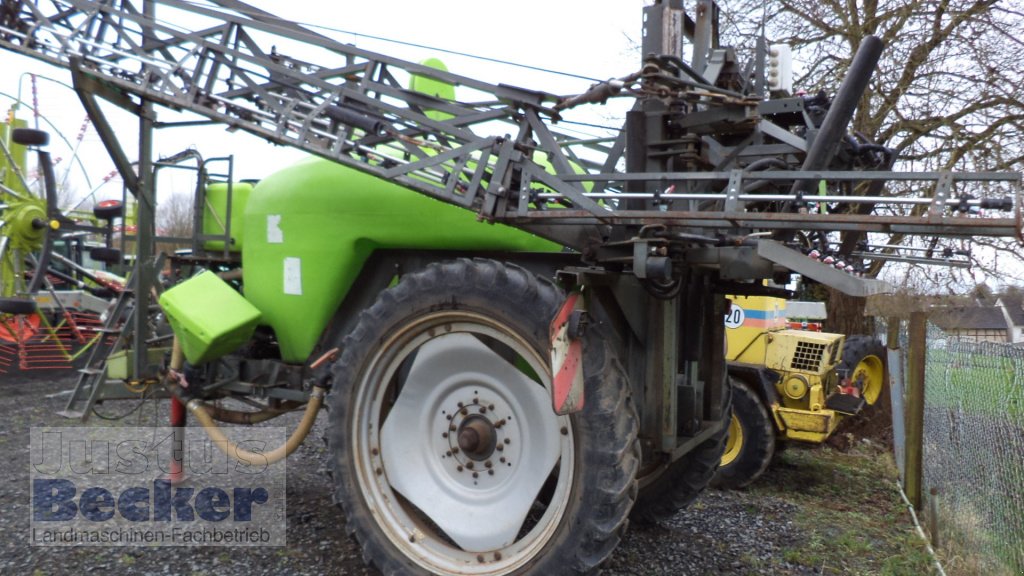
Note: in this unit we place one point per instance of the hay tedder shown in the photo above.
(517, 331)
(48, 255)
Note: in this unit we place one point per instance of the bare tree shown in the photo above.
(948, 93)
(174, 218)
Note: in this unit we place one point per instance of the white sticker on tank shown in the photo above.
(293, 276)
(274, 233)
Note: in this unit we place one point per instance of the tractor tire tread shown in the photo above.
(608, 429)
(759, 440)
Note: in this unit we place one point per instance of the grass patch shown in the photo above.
(976, 382)
(849, 509)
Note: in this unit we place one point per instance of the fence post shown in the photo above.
(933, 516)
(918, 345)
(892, 336)
(896, 362)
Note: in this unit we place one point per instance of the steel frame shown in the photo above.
(352, 104)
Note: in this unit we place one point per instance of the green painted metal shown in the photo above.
(20, 216)
(17, 218)
(18, 153)
(312, 226)
(215, 213)
(209, 317)
(432, 87)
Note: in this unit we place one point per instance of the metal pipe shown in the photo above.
(840, 112)
(178, 418)
(977, 202)
(178, 421)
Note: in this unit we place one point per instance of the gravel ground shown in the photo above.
(723, 533)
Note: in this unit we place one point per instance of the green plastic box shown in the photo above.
(209, 317)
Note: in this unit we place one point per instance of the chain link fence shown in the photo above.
(972, 482)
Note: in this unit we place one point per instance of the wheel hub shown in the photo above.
(468, 441)
(477, 437)
(22, 228)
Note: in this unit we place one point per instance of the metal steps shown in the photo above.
(92, 377)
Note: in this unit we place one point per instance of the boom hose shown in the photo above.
(202, 413)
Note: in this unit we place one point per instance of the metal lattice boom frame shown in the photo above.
(500, 154)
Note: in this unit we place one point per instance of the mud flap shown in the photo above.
(845, 403)
(566, 332)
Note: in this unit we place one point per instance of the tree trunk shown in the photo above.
(846, 314)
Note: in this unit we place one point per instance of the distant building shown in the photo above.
(1002, 321)
(1013, 310)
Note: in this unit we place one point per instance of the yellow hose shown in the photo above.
(199, 410)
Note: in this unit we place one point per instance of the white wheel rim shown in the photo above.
(446, 509)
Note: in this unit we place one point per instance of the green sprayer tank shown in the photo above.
(310, 228)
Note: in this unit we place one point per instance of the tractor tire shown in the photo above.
(445, 453)
(864, 363)
(108, 210)
(17, 305)
(30, 137)
(671, 488)
(751, 443)
(106, 255)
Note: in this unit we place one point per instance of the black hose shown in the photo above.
(840, 112)
(762, 164)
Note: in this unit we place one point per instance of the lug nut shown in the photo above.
(475, 475)
(491, 472)
(565, 431)
(488, 464)
(480, 558)
(469, 465)
(459, 468)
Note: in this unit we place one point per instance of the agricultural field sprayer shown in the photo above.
(518, 333)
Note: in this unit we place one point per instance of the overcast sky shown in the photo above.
(594, 40)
